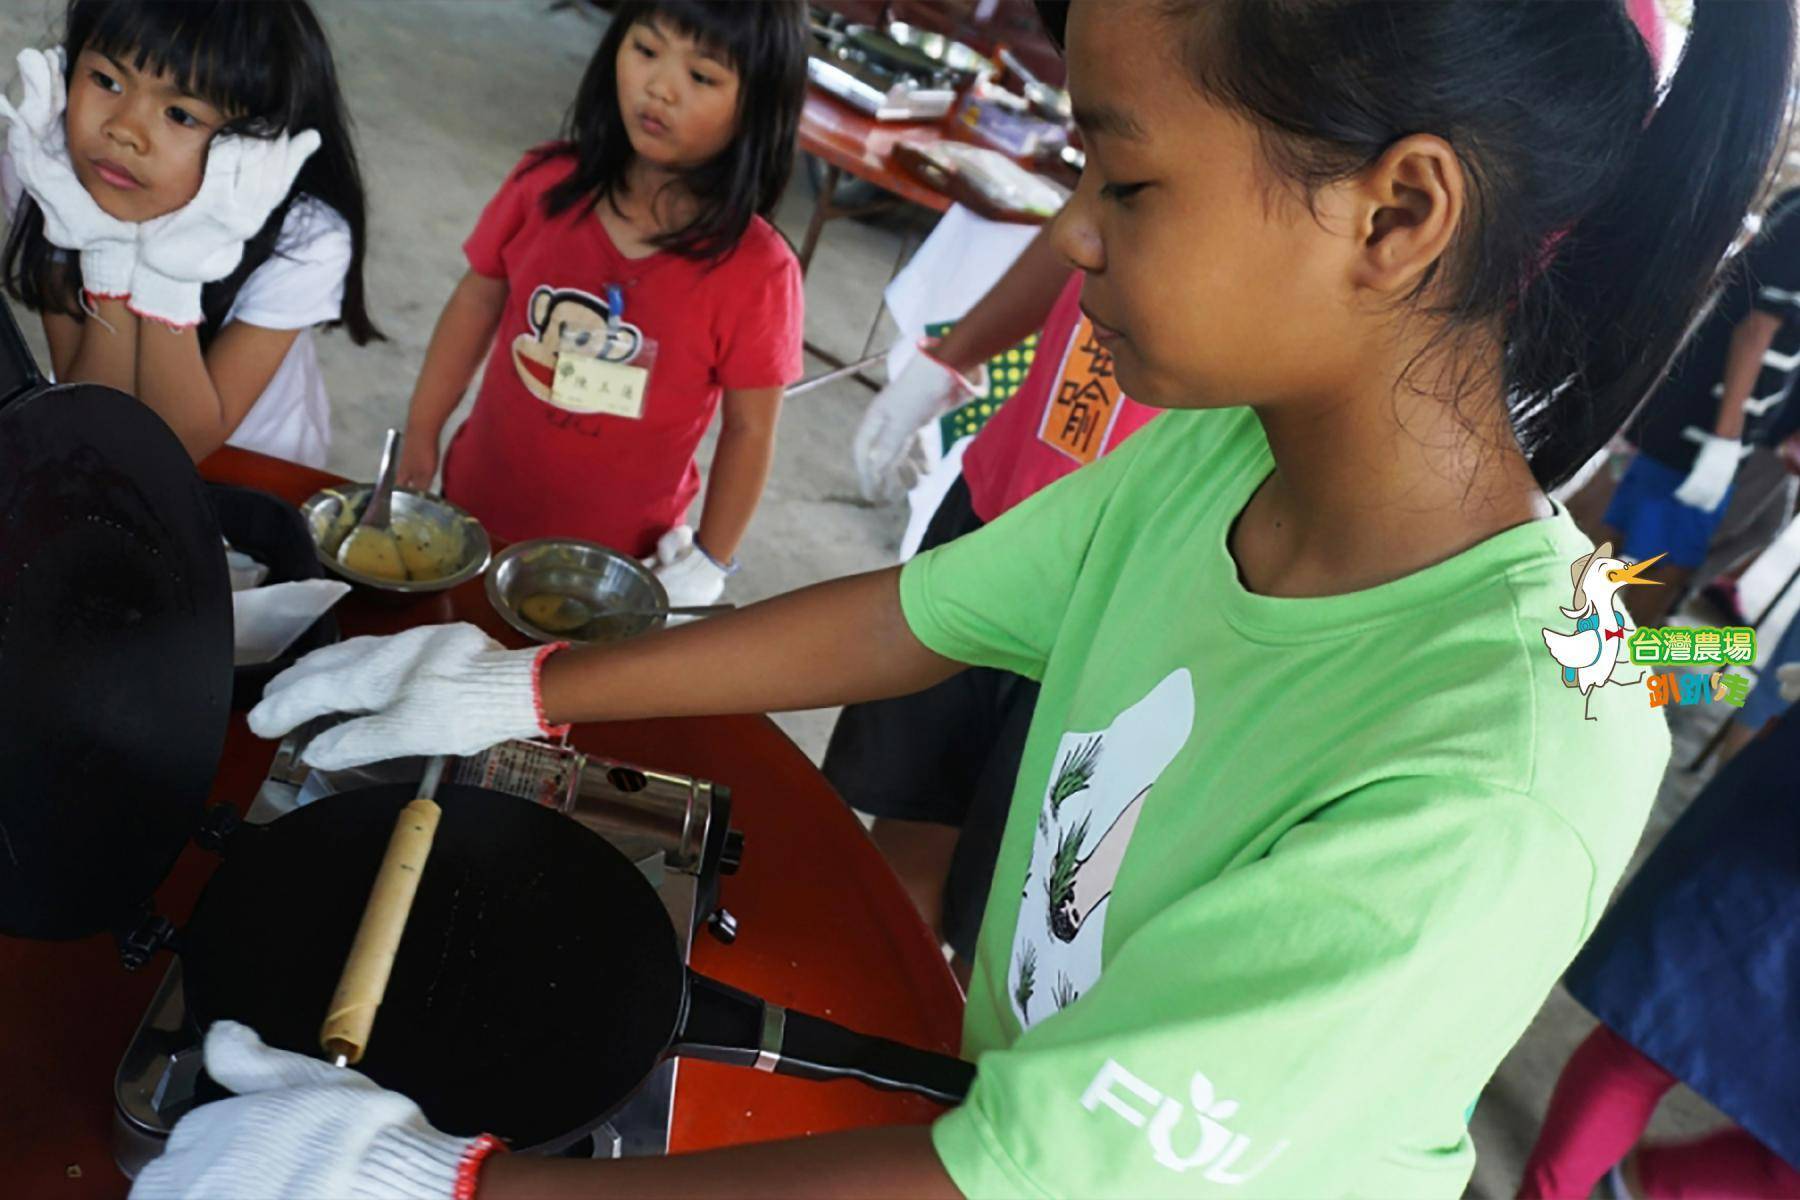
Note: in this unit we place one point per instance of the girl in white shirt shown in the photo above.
(186, 206)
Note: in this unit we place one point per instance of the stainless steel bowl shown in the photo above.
(602, 579)
(451, 532)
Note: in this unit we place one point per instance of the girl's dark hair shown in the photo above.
(766, 44)
(266, 63)
(1593, 239)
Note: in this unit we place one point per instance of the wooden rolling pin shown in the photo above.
(345, 1034)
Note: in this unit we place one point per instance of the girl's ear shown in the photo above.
(1406, 209)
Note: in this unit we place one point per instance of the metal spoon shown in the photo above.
(370, 548)
(567, 614)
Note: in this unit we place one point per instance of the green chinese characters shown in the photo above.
(1678, 645)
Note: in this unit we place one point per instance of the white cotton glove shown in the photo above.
(245, 179)
(886, 450)
(300, 1128)
(689, 574)
(39, 148)
(437, 689)
(1714, 468)
(1789, 676)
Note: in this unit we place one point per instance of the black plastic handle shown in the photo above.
(722, 1024)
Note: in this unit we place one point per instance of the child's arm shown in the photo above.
(740, 467)
(893, 1161)
(932, 383)
(163, 266)
(997, 597)
(1743, 363)
(292, 1110)
(833, 643)
(101, 349)
(1012, 310)
(451, 689)
(1715, 466)
(464, 332)
(205, 397)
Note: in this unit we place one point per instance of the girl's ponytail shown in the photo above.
(1628, 280)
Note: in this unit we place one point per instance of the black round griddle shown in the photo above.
(538, 983)
(115, 658)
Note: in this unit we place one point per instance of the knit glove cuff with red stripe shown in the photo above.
(436, 689)
(302, 1129)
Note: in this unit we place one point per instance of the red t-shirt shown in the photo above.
(529, 469)
(1068, 412)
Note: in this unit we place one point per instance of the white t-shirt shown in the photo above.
(301, 285)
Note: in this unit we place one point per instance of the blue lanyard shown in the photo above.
(615, 309)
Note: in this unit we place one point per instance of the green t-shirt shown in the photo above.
(1283, 879)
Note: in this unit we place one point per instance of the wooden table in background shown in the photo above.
(823, 927)
(850, 142)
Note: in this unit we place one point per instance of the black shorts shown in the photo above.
(949, 754)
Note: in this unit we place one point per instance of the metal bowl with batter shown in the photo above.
(442, 545)
(565, 590)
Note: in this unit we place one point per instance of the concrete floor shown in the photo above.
(447, 94)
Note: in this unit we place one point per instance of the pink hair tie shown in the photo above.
(1647, 17)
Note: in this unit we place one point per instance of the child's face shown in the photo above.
(137, 141)
(1206, 275)
(679, 103)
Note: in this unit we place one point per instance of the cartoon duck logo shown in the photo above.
(1590, 654)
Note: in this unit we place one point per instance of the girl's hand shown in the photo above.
(299, 1126)
(1715, 466)
(245, 179)
(40, 152)
(418, 462)
(435, 689)
(886, 450)
(688, 573)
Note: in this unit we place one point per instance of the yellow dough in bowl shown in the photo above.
(375, 553)
(425, 558)
(553, 613)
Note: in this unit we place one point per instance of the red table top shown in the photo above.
(824, 927)
(853, 141)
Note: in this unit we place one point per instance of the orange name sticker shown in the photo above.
(1085, 403)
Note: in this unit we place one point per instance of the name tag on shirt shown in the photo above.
(593, 385)
(1086, 400)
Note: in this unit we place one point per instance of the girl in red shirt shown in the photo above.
(622, 283)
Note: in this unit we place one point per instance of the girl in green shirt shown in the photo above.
(1307, 824)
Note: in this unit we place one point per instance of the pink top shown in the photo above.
(1068, 412)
